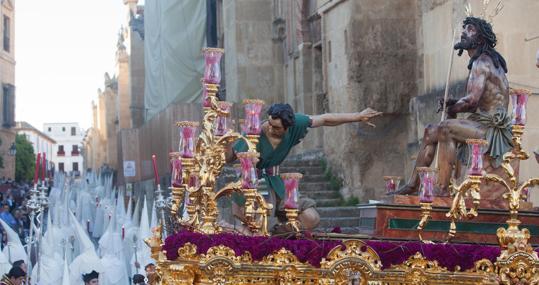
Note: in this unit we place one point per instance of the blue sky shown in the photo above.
(62, 50)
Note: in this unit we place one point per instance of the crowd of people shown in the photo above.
(13, 210)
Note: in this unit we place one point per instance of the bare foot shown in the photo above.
(406, 189)
(283, 229)
(237, 228)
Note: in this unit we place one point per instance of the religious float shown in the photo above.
(190, 246)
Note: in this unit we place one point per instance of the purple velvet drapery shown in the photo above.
(312, 251)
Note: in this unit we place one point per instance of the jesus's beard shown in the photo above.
(466, 44)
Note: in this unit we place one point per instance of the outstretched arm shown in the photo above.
(474, 91)
(335, 119)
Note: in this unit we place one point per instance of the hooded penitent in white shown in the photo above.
(87, 261)
(100, 203)
(153, 218)
(143, 253)
(120, 208)
(85, 206)
(135, 219)
(112, 257)
(130, 231)
(14, 250)
(65, 276)
(55, 194)
(50, 273)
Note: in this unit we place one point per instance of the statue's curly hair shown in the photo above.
(283, 112)
(489, 42)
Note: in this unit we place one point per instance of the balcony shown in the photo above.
(75, 153)
(61, 153)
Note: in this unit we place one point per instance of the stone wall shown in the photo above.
(111, 122)
(253, 64)
(136, 78)
(370, 61)
(124, 99)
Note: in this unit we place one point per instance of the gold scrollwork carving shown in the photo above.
(352, 249)
(188, 251)
(281, 257)
(519, 268)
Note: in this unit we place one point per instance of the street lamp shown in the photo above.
(13, 149)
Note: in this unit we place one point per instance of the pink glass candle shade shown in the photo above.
(242, 126)
(252, 116)
(212, 67)
(206, 103)
(392, 183)
(222, 121)
(248, 160)
(476, 149)
(291, 182)
(519, 100)
(193, 181)
(176, 176)
(428, 180)
(525, 194)
(187, 132)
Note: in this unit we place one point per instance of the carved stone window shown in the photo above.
(6, 33)
(8, 105)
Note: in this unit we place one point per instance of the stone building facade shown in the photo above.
(7, 81)
(66, 152)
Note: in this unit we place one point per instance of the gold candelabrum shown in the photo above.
(513, 238)
(426, 196)
(291, 181)
(470, 187)
(194, 173)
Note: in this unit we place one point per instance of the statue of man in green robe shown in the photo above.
(280, 133)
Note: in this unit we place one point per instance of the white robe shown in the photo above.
(113, 260)
(85, 263)
(5, 266)
(115, 271)
(50, 274)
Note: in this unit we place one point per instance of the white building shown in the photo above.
(41, 142)
(66, 154)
